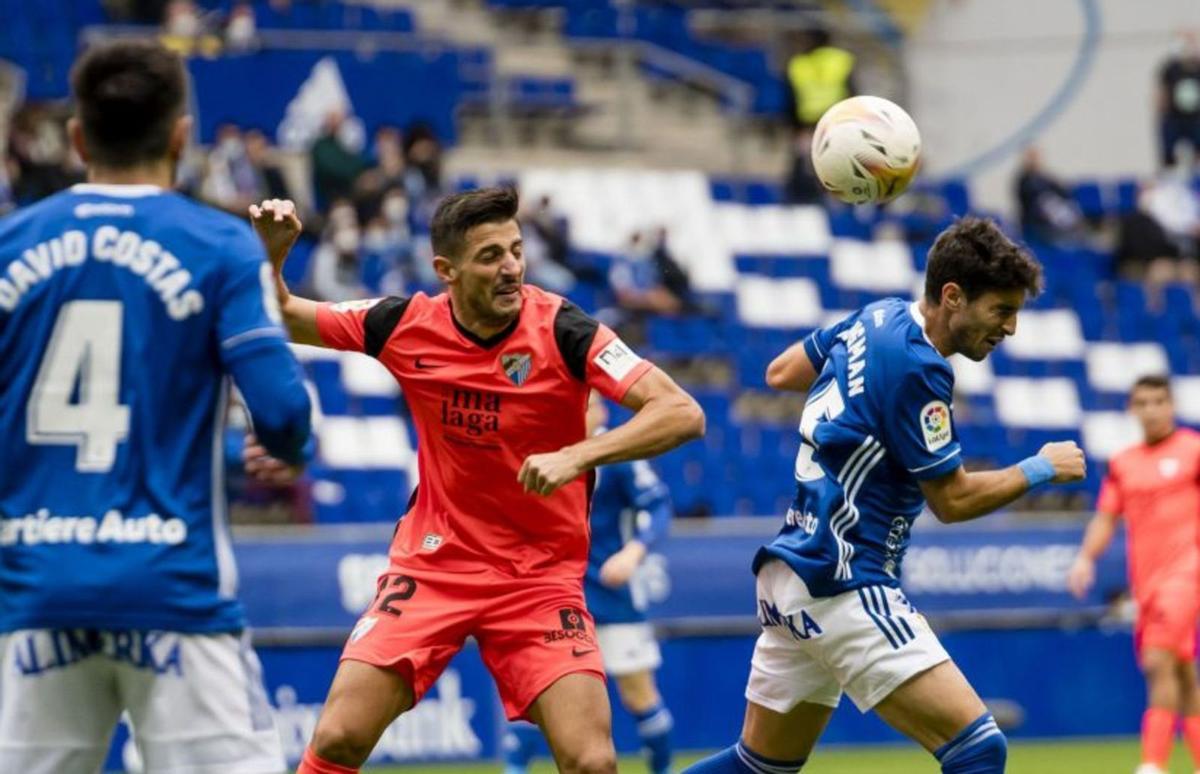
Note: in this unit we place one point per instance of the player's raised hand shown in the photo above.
(1067, 459)
(277, 225)
(262, 467)
(1081, 576)
(544, 473)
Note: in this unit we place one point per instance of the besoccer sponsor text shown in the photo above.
(572, 626)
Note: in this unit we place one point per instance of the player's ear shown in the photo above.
(75, 134)
(953, 297)
(445, 268)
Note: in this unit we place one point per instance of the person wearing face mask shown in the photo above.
(1179, 100)
(496, 374)
(337, 268)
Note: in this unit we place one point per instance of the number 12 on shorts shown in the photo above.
(403, 587)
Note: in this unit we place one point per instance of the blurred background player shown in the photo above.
(1156, 486)
(631, 512)
(125, 309)
(496, 374)
(878, 446)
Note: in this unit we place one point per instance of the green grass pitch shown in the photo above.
(1106, 756)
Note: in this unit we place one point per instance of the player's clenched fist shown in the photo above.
(544, 473)
(277, 225)
(1067, 459)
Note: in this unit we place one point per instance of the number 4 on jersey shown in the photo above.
(84, 350)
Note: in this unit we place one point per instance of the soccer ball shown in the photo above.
(866, 149)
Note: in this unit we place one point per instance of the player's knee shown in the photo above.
(597, 757)
(338, 743)
(987, 756)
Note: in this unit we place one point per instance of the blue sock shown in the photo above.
(741, 760)
(980, 748)
(521, 743)
(654, 729)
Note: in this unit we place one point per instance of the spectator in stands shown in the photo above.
(337, 263)
(241, 29)
(336, 162)
(638, 283)
(802, 185)
(40, 162)
(423, 154)
(387, 244)
(1171, 201)
(546, 247)
(230, 179)
(270, 182)
(1144, 251)
(386, 175)
(181, 19)
(819, 76)
(1179, 100)
(1048, 213)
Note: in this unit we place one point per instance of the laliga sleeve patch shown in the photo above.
(616, 359)
(935, 425)
(356, 305)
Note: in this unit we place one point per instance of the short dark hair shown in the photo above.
(128, 95)
(1151, 381)
(461, 212)
(976, 255)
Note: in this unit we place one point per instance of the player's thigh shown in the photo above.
(932, 707)
(574, 714)
(533, 634)
(363, 701)
(197, 704)
(413, 627)
(58, 702)
(785, 736)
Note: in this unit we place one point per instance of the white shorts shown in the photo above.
(195, 702)
(628, 648)
(865, 642)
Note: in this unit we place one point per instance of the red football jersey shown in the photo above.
(481, 407)
(1157, 489)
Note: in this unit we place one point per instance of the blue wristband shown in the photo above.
(1037, 470)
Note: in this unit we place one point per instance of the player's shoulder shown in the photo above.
(53, 207)
(899, 335)
(1190, 438)
(210, 224)
(544, 305)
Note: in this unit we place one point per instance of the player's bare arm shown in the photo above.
(666, 416)
(1096, 538)
(620, 567)
(278, 226)
(792, 370)
(962, 496)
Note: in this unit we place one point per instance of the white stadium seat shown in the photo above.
(360, 443)
(1042, 403)
(365, 376)
(1107, 432)
(1047, 335)
(973, 378)
(1115, 367)
(307, 353)
(778, 303)
(881, 267)
(1186, 390)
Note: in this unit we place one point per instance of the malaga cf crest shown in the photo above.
(517, 366)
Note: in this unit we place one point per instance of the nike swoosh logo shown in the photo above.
(426, 364)
(576, 652)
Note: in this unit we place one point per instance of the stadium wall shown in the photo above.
(1055, 71)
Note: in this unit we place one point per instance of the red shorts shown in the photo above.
(530, 632)
(1166, 620)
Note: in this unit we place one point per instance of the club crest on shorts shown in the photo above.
(517, 366)
(363, 627)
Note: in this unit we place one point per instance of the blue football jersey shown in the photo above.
(120, 309)
(630, 501)
(877, 421)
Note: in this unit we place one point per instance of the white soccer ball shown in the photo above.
(866, 149)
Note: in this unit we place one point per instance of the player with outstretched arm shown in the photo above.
(496, 374)
(878, 444)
